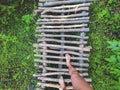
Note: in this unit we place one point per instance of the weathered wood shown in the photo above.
(64, 7)
(62, 63)
(60, 41)
(61, 27)
(61, 20)
(68, 36)
(60, 57)
(54, 86)
(75, 10)
(84, 13)
(66, 47)
(64, 52)
(63, 2)
(57, 73)
(64, 30)
(65, 22)
(56, 80)
(59, 70)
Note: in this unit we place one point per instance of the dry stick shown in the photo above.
(65, 6)
(53, 35)
(64, 52)
(65, 11)
(54, 85)
(56, 80)
(61, 70)
(60, 41)
(63, 30)
(61, 20)
(63, 63)
(66, 16)
(66, 47)
(61, 57)
(65, 22)
(65, 2)
(60, 27)
(57, 73)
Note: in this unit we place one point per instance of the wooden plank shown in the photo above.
(61, 27)
(56, 80)
(74, 10)
(63, 30)
(65, 22)
(65, 6)
(84, 13)
(59, 70)
(65, 47)
(64, 52)
(60, 41)
(66, 36)
(53, 85)
(61, 57)
(57, 73)
(61, 20)
(63, 2)
(62, 63)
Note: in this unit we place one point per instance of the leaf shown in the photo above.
(111, 59)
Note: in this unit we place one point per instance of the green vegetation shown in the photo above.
(104, 39)
(16, 40)
(17, 37)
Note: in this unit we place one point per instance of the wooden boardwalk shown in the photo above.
(62, 29)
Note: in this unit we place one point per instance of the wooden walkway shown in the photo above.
(62, 29)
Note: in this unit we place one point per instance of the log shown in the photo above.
(63, 2)
(65, 22)
(62, 63)
(66, 36)
(59, 70)
(65, 6)
(61, 20)
(57, 73)
(66, 16)
(60, 41)
(56, 80)
(64, 52)
(74, 10)
(65, 47)
(53, 85)
(63, 30)
(61, 57)
(61, 27)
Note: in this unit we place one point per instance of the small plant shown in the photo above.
(114, 62)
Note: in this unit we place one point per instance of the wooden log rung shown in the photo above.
(84, 13)
(65, 47)
(64, 52)
(60, 57)
(64, 7)
(57, 73)
(65, 36)
(63, 2)
(62, 63)
(65, 22)
(54, 85)
(60, 41)
(56, 80)
(61, 20)
(59, 70)
(64, 30)
(61, 27)
(65, 11)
